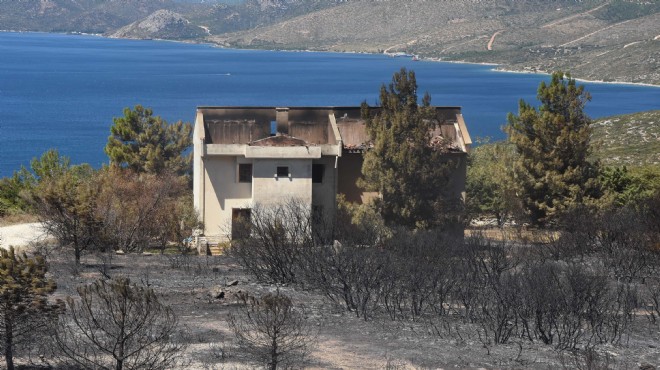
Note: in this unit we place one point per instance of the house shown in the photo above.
(244, 156)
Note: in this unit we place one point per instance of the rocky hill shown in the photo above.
(610, 40)
(89, 16)
(162, 24)
(602, 40)
(629, 139)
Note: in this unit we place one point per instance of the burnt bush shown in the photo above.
(570, 289)
(276, 235)
(272, 329)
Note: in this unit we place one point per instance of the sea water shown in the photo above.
(62, 91)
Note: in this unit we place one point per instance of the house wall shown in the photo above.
(324, 194)
(267, 188)
(456, 185)
(350, 170)
(222, 192)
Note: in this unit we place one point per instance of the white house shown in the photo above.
(244, 156)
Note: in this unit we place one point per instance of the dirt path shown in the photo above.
(20, 235)
(406, 44)
(572, 16)
(595, 32)
(492, 39)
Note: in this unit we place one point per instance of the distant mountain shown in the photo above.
(613, 40)
(90, 16)
(610, 40)
(254, 14)
(162, 24)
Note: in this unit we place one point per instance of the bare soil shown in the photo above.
(21, 234)
(192, 285)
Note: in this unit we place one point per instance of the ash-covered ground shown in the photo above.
(202, 292)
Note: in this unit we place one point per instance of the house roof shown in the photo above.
(309, 126)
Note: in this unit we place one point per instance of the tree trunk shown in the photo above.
(273, 354)
(9, 345)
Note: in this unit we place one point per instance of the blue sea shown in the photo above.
(62, 91)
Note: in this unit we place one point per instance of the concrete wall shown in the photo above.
(222, 193)
(349, 171)
(324, 194)
(267, 188)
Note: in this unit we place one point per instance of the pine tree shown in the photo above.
(409, 173)
(147, 143)
(114, 324)
(65, 200)
(553, 171)
(24, 308)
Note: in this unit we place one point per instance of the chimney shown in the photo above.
(282, 118)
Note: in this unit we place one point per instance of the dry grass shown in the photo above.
(20, 218)
(519, 234)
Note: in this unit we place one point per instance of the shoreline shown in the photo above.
(504, 70)
(496, 66)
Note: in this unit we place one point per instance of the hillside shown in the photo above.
(630, 139)
(610, 40)
(88, 16)
(601, 40)
(162, 24)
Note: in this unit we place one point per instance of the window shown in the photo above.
(245, 172)
(317, 173)
(282, 171)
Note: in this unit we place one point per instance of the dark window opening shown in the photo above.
(282, 171)
(245, 172)
(240, 223)
(317, 173)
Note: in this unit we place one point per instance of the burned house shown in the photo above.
(244, 156)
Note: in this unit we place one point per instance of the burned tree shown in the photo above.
(272, 329)
(119, 325)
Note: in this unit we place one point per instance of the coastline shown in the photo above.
(504, 70)
(497, 66)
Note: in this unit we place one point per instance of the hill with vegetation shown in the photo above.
(609, 40)
(629, 139)
(600, 40)
(163, 24)
(86, 16)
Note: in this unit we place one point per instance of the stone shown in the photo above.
(217, 293)
(232, 283)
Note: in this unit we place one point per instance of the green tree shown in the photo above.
(553, 172)
(15, 190)
(147, 143)
(408, 171)
(490, 186)
(623, 186)
(12, 190)
(24, 307)
(65, 201)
